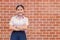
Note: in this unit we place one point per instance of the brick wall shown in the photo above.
(44, 18)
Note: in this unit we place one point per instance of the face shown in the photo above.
(20, 11)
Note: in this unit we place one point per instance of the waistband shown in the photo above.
(18, 31)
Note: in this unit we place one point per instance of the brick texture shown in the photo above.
(44, 18)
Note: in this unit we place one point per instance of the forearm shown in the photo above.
(22, 27)
(18, 28)
(14, 28)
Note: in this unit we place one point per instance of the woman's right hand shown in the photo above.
(14, 28)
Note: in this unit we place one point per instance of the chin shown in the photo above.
(20, 15)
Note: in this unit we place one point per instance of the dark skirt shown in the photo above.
(18, 35)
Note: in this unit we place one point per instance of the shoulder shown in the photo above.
(13, 17)
(26, 18)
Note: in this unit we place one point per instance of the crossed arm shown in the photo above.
(18, 28)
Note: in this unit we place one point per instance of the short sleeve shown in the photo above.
(26, 21)
(11, 21)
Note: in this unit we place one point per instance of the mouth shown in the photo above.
(19, 12)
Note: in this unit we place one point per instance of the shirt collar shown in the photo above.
(21, 17)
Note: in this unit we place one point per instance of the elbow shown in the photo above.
(25, 27)
(10, 28)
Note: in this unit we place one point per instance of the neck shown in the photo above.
(20, 16)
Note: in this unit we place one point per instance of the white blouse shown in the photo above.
(15, 21)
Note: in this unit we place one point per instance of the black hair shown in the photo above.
(19, 6)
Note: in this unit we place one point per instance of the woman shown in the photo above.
(18, 24)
